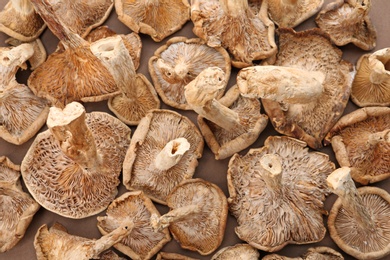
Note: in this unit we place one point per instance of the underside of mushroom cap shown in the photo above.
(238, 251)
(313, 253)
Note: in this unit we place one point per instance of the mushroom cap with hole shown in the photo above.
(313, 253)
(238, 251)
(361, 140)
(290, 213)
(173, 256)
(142, 242)
(155, 130)
(16, 206)
(178, 62)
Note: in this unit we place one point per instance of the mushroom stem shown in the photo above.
(379, 137)
(171, 154)
(271, 171)
(23, 6)
(234, 7)
(378, 74)
(341, 183)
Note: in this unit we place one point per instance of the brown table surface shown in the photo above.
(209, 169)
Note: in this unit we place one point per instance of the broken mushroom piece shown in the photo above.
(142, 242)
(178, 62)
(347, 21)
(39, 55)
(163, 152)
(157, 18)
(359, 219)
(237, 252)
(73, 168)
(277, 193)
(313, 253)
(229, 124)
(56, 243)
(361, 141)
(16, 206)
(197, 216)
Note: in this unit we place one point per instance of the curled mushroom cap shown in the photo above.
(313, 253)
(142, 242)
(361, 140)
(277, 193)
(16, 206)
(163, 152)
(347, 21)
(73, 167)
(238, 251)
(157, 18)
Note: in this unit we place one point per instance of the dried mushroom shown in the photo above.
(164, 151)
(197, 216)
(172, 256)
(73, 168)
(142, 242)
(314, 253)
(371, 85)
(22, 114)
(157, 18)
(277, 193)
(359, 219)
(178, 62)
(39, 55)
(237, 252)
(246, 35)
(19, 20)
(17, 208)
(229, 124)
(361, 141)
(56, 243)
(347, 21)
(311, 50)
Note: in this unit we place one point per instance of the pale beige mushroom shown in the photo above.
(313, 253)
(73, 168)
(371, 85)
(178, 62)
(142, 242)
(197, 216)
(172, 256)
(348, 21)
(359, 219)
(237, 252)
(229, 124)
(233, 25)
(157, 18)
(56, 243)
(39, 55)
(163, 152)
(16, 206)
(361, 141)
(277, 193)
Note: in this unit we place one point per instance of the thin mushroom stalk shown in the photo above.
(172, 153)
(271, 171)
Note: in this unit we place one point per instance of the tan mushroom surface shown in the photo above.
(238, 251)
(16, 206)
(39, 56)
(73, 168)
(313, 253)
(172, 256)
(142, 242)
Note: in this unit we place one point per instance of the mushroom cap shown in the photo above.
(350, 139)
(238, 251)
(142, 242)
(311, 50)
(16, 206)
(351, 237)
(154, 131)
(348, 21)
(172, 256)
(294, 211)
(178, 62)
(39, 55)
(157, 18)
(203, 231)
(61, 185)
(313, 253)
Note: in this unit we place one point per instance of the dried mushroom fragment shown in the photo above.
(361, 141)
(311, 50)
(142, 242)
(17, 208)
(233, 25)
(359, 219)
(56, 243)
(229, 124)
(314, 253)
(371, 85)
(238, 252)
(157, 18)
(39, 55)
(172, 256)
(347, 21)
(110, 255)
(163, 152)
(178, 62)
(277, 193)
(197, 216)
(22, 114)
(19, 20)
(73, 168)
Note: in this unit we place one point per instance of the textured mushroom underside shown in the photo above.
(238, 251)
(313, 253)
(291, 215)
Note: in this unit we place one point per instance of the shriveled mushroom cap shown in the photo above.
(16, 206)
(238, 251)
(313, 253)
(157, 18)
(178, 62)
(172, 256)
